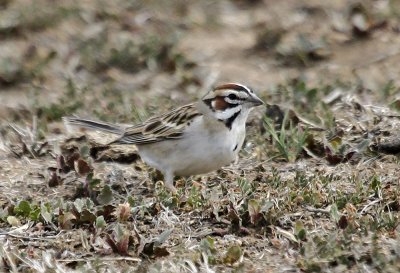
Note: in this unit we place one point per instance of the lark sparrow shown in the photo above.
(193, 139)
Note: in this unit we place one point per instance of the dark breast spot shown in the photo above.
(234, 149)
(229, 121)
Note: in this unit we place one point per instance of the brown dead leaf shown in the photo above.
(236, 221)
(54, 179)
(342, 223)
(65, 220)
(120, 240)
(62, 165)
(152, 247)
(71, 160)
(160, 252)
(81, 167)
(121, 246)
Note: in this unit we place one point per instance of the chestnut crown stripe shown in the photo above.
(234, 86)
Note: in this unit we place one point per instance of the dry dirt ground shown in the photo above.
(316, 188)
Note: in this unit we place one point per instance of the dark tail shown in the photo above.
(94, 125)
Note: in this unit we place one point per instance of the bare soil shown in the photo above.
(315, 192)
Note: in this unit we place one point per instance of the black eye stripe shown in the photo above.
(208, 102)
(231, 103)
(233, 96)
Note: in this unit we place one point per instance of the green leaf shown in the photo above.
(335, 213)
(267, 206)
(245, 186)
(208, 245)
(23, 208)
(119, 232)
(84, 151)
(105, 197)
(35, 213)
(3, 214)
(83, 204)
(131, 201)
(89, 203)
(79, 204)
(163, 237)
(376, 185)
(45, 212)
(94, 183)
(87, 217)
(233, 255)
(299, 230)
(100, 222)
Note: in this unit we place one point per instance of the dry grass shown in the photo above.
(316, 188)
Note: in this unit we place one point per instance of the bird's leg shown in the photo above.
(169, 181)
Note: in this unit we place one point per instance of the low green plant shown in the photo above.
(196, 199)
(246, 188)
(289, 141)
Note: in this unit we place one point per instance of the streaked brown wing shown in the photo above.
(170, 125)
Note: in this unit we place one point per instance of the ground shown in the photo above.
(315, 189)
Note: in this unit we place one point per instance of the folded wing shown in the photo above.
(171, 125)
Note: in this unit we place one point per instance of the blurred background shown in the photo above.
(316, 188)
(116, 60)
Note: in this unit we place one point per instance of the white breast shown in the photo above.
(207, 145)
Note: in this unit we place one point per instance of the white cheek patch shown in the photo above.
(224, 115)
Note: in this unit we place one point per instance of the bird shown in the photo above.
(192, 139)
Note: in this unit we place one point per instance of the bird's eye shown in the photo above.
(232, 96)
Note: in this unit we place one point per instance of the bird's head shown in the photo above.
(231, 101)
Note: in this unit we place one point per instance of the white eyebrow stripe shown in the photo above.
(227, 92)
(242, 95)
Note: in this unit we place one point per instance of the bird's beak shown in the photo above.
(255, 101)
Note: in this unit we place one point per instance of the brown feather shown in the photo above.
(167, 126)
(232, 86)
(220, 104)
